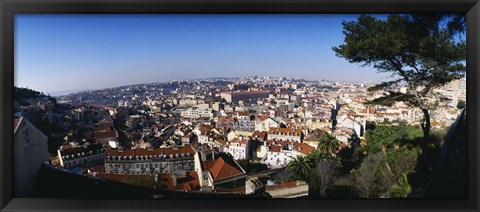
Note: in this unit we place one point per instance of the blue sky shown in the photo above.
(70, 52)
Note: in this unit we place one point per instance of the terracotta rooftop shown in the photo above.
(263, 118)
(98, 169)
(315, 136)
(221, 141)
(105, 121)
(248, 92)
(186, 184)
(226, 119)
(93, 148)
(205, 128)
(224, 168)
(296, 132)
(243, 114)
(305, 148)
(275, 149)
(154, 153)
(124, 178)
(259, 135)
(102, 129)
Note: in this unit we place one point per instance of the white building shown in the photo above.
(279, 153)
(219, 172)
(30, 152)
(353, 123)
(197, 113)
(263, 124)
(82, 155)
(278, 156)
(238, 148)
(286, 134)
(175, 160)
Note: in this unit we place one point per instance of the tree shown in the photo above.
(299, 167)
(323, 175)
(420, 51)
(328, 144)
(365, 178)
(315, 156)
(282, 176)
(461, 104)
(402, 188)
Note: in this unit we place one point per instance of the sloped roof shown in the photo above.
(260, 135)
(263, 118)
(156, 152)
(275, 148)
(223, 168)
(305, 148)
(221, 141)
(296, 132)
(315, 136)
(105, 121)
(243, 114)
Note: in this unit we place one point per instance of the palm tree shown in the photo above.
(299, 167)
(402, 188)
(328, 144)
(315, 156)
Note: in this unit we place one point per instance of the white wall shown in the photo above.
(28, 158)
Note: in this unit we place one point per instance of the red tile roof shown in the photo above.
(259, 135)
(124, 178)
(222, 169)
(156, 152)
(221, 141)
(186, 184)
(102, 129)
(98, 169)
(243, 114)
(263, 118)
(275, 149)
(305, 148)
(296, 132)
(244, 141)
(226, 119)
(105, 121)
(108, 134)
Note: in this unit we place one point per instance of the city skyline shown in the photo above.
(59, 53)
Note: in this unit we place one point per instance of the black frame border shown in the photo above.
(8, 8)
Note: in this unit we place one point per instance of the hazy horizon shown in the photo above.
(57, 53)
(66, 92)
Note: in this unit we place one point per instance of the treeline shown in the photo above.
(390, 164)
(22, 95)
(25, 93)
